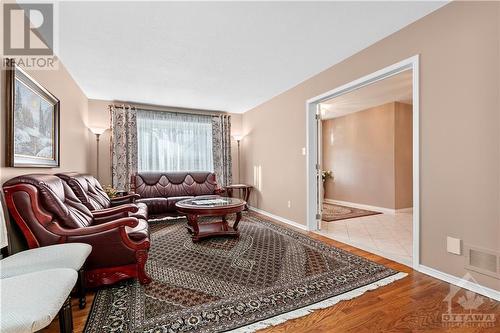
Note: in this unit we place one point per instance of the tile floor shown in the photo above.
(389, 236)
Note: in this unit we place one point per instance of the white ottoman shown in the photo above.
(69, 255)
(30, 302)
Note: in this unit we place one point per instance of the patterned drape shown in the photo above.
(124, 145)
(221, 145)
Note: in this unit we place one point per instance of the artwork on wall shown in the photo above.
(32, 122)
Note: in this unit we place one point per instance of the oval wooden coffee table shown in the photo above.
(211, 206)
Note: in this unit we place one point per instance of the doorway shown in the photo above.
(339, 104)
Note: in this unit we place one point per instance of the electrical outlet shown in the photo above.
(304, 151)
(289, 204)
(453, 245)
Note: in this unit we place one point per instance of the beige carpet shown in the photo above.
(333, 212)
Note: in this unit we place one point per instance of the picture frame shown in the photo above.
(33, 123)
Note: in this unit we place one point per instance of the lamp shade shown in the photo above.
(98, 130)
(238, 137)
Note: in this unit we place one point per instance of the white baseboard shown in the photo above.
(278, 218)
(472, 286)
(361, 206)
(405, 210)
(369, 207)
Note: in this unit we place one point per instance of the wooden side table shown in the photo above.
(244, 191)
(194, 208)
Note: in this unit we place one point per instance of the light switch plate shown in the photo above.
(453, 245)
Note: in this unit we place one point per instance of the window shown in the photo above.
(174, 141)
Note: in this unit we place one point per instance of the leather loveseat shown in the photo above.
(48, 212)
(161, 190)
(90, 192)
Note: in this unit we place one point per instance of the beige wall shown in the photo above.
(403, 155)
(459, 128)
(74, 151)
(74, 148)
(367, 162)
(99, 117)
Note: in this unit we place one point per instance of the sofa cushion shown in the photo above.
(173, 184)
(57, 198)
(155, 205)
(173, 200)
(87, 189)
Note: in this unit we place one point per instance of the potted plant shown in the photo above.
(326, 175)
(110, 191)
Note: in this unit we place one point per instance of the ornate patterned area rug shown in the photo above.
(333, 212)
(267, 276)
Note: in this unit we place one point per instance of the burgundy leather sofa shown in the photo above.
(161, 190)
(90, 192)
(48, 212)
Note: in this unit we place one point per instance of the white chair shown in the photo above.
(69, 255)
(30, 302)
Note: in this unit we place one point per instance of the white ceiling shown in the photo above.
(228, 56)
(397, 88)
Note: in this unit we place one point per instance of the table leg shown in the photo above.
(81, 289)
(238, 218)
(246, 196)
(66, 317)
(224, 220)
(193, 224)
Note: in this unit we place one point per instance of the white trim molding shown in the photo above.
(462, 283)
(311, 107)
(408, 210)
(278, 218)
(369, 207)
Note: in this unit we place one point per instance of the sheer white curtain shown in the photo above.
(174, 141)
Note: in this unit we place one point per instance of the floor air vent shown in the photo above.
(482, 261)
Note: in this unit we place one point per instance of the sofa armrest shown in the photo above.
(93, 229)
(124, 199)
(113, 213)
(128, 208)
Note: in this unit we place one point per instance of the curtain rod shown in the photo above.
(173, 110)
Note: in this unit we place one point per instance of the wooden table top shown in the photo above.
(227, 205)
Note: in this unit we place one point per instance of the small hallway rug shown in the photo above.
(269, 275)
(334, 212)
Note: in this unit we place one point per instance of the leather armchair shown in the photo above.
(90, 192)
(48, 212)
(160, 191)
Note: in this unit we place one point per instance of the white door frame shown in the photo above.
(312, 147)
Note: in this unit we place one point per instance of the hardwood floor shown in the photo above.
(412, 304)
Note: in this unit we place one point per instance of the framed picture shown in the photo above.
(32, 122)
